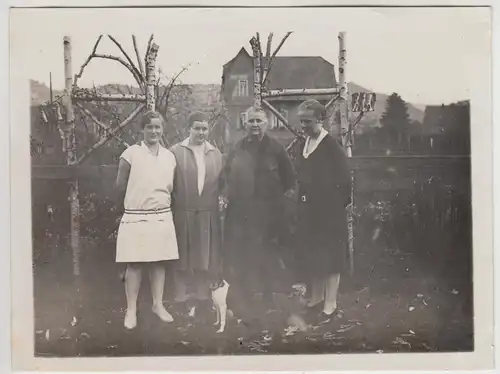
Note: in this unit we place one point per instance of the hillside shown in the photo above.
(208, 95)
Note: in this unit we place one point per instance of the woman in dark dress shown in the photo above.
(324, 192)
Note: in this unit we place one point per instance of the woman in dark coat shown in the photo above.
(324, 192)
(257, 175)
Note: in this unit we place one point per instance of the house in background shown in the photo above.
(287, 72)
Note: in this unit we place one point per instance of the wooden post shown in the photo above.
(346, 135)
(70, 146)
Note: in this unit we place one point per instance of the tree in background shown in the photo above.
(456, 123)
(395, 120)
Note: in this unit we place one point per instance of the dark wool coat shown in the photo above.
(256, 175)
(196, 217)
(324, 192)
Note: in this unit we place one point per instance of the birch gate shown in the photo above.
(362, 102)
(74, 96)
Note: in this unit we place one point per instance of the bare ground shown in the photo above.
(395, 302)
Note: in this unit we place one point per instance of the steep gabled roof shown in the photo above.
(242, 51)
(301, 72)
(296, 71)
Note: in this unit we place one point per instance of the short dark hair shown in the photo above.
(148, 116)
(196, 117)
(318, 109)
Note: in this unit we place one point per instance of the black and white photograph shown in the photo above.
(217, 181)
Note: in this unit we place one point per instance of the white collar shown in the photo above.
(323, 133)
(145, 146)
(208, 146)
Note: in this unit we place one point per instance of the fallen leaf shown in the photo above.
(297, 322)
(290, 330)
(426, 347)
(411, 308)
(192, 312)
(398, 340)
(411, 332)
(74, 321)
(424, 302)
(47, 334)
(85, 335)
(368, 305)
(454, 292)
(328, 336)
(420, 295)
(184, 342)
(344, 329)
(380, 351)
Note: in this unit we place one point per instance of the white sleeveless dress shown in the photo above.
(146, 232)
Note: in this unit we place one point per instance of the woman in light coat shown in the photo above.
(196, 212)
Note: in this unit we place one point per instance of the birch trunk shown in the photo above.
(346, 136)
(70, 143)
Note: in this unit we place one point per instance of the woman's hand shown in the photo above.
(222, 203)
(290, 194)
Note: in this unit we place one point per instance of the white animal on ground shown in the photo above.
(219, 298)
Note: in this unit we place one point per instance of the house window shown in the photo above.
(275, 122)
(241, 121)
(242, 88)
(284, 113)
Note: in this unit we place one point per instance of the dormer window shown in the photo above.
(242, 88)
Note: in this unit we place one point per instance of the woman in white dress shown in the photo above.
(146, 235)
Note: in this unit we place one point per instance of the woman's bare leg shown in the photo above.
(332, 288)
(317, 292)
(133, 278)
(157, 280)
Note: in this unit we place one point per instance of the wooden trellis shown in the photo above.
(362, 102)
(73, 97)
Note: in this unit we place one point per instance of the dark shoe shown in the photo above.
(315, 309)
(323, 318)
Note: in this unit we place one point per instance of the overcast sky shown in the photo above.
(424, 54)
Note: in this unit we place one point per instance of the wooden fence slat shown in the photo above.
(371, 173)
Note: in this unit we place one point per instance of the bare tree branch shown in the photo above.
(79, 75)
(139, 61)
(103, 141)
(166, 93)
(148, 48)
(260, 53)
(106, 128)
(274, 55)
(137, 73)
(268, 56)
(269, 41)
(84, 95)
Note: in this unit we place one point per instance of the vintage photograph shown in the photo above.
(251, 181)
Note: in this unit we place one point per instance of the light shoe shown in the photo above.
(130, 321)
(162, 313)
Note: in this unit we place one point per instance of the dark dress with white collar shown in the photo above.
(324, 192)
